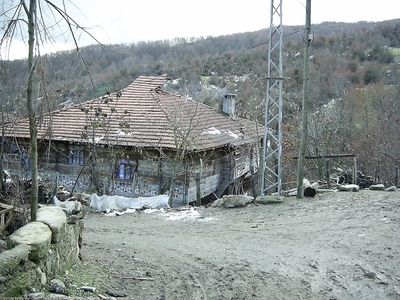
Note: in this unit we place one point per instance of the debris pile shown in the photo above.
(362, 180)
(16, 191)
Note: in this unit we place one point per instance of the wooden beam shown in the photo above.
(327, 156)
(5, 223)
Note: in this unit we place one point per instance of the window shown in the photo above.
(75, 154)
(125, 169)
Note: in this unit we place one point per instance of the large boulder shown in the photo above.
(377, 187)
(36, 235)
(230, 201)
(218, 203)
(269, 199)
(55, 218)
(391, 188)
(9, 260)
(349, 188)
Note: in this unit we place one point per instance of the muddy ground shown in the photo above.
(339, 245)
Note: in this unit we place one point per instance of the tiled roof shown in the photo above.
(142, 115)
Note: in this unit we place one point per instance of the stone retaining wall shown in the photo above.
(41, 250)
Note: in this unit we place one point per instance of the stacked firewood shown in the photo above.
(363, 181)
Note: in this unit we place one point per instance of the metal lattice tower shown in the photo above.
(272, 169)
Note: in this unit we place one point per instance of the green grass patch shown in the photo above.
(394, 51)
(87, 273)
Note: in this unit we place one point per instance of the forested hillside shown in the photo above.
(355, 85)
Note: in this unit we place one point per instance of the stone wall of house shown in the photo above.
(42, 250)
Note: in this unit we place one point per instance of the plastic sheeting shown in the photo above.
(102, 203)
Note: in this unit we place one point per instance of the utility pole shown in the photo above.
(308, 38)
(271, 170)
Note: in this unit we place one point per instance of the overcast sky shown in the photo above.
(130, 21)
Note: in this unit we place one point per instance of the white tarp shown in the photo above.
(102, 203)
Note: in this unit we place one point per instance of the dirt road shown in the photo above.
(335, 246)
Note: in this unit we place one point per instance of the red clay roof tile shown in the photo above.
(142, 115)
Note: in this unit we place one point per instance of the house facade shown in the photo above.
(140, 141)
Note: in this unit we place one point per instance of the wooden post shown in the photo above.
(198, 194)
(56, 185)
(328, 173)
(355, 171)
(396, 179)
(133, 184)
(304, 123)
(376, 179)
(104, 186)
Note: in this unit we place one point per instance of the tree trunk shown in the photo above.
(3, 186)
(31, 110)
(198, 192)
(175, 166)
(171, 192)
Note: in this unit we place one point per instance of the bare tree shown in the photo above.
(252, 106)
(31, 18)
(100, 114)
(184, 128)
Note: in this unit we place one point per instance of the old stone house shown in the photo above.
(133, 142)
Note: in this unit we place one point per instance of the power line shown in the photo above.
(230, 55)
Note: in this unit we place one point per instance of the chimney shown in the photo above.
(228, 106)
